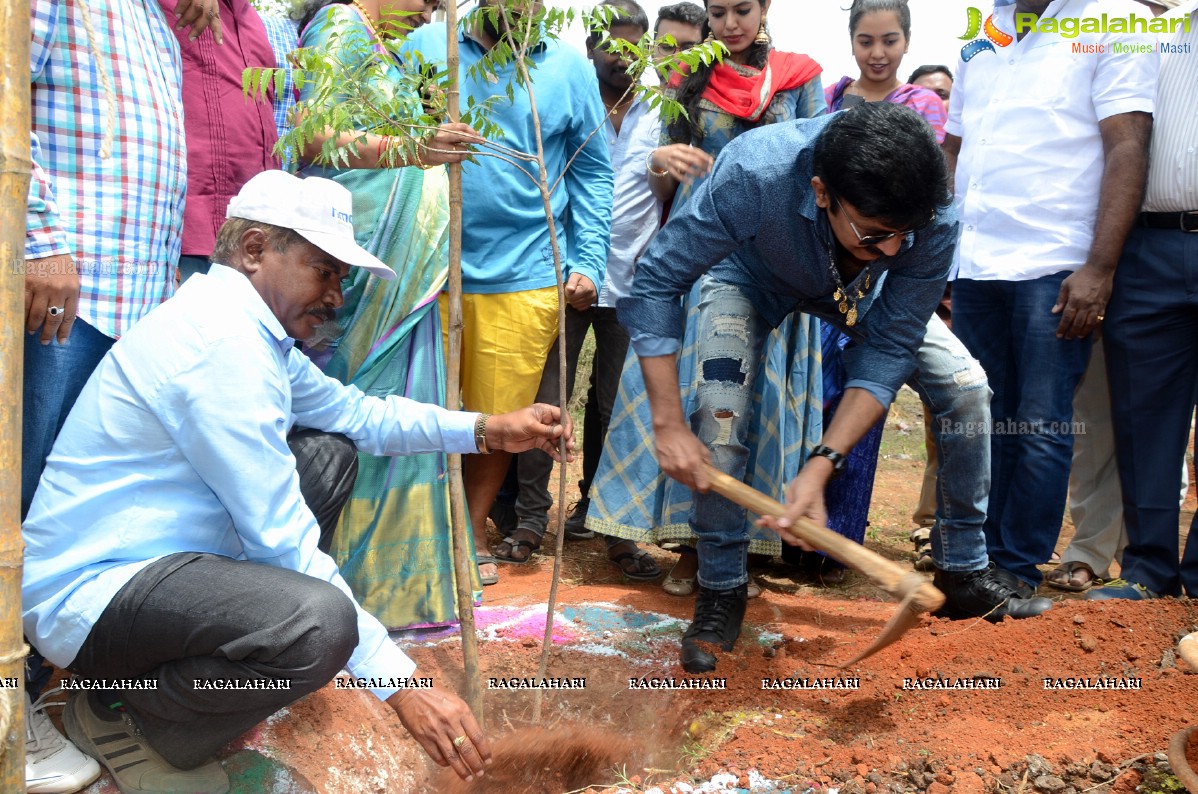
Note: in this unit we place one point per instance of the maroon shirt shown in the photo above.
(229, 137)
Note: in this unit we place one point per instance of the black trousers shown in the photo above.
(194, 618)
(1151, 339)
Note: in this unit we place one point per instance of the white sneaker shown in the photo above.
(52, 764)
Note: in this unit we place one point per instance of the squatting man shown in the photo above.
(174, 535)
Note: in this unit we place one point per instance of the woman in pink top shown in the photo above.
(881, 33)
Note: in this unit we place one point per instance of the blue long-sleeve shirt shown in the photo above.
(505, 237)
(754, 223)
(178, 443)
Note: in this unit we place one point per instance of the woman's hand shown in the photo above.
(450, 144)
(682, 162)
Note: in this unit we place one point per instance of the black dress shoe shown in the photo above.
(977, 594)
(718, 617)
(1013, 582)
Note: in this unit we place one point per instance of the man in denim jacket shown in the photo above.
(858, 230)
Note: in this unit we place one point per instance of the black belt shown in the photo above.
(1184, 221)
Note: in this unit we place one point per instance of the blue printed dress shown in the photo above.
(630, 497)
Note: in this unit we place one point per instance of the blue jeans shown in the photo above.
(54, 376)
(1009, 326)
(955, 390)
(947, 378)
(1152, 368)
(731, 333)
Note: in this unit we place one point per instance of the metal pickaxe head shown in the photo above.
(920, 598)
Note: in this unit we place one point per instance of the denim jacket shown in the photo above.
(754, 223)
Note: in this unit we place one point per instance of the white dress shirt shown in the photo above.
(1173, 167)
(1031, 161)
(635, 212)
(178, 443)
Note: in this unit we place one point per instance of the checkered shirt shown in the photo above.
(120, 217)
(284, 38)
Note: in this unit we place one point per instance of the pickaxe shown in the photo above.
(916, 595)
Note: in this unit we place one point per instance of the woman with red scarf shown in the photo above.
(754, 85)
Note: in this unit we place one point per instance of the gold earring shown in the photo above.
(710, 38)
(763, 37)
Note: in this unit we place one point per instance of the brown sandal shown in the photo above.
(1064, 577)
(511, 546)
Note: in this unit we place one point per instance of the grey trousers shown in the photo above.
(195, 617)
(1095, 494)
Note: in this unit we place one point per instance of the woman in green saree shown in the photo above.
(393, 541)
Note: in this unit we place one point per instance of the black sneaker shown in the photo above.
(576, 522)
(1013, 582)
(982, 594)
(718, 617)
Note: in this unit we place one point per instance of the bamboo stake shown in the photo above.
(463, 536)
(14, 185)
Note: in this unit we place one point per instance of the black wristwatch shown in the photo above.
(837, 460)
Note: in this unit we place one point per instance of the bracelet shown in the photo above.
(837, 460)
(649, 167)
(480, 434)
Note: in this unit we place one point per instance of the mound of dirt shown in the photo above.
(532, 760)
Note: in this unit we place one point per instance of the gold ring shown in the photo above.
(458, 742)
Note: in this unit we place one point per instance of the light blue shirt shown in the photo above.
(178, 443)
(505, 237)
(636, 212)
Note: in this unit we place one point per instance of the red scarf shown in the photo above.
(747, 96)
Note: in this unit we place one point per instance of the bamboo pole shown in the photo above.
(459, 519)
(14, 186)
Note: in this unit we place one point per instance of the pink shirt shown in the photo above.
(229, 137)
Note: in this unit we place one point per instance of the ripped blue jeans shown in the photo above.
(730, 336)
(953, 385)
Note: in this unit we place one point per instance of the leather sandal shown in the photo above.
(643, 568)
(1065, 577)
(512, 545)
(486, 559)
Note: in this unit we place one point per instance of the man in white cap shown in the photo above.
(171, 548)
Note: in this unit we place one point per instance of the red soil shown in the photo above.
(963, 740)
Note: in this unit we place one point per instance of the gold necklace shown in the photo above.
(366, 18)
(844, 302)
(624, 102)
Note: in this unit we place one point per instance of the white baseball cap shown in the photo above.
(318, 209)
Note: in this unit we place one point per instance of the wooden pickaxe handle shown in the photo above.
(885, 573)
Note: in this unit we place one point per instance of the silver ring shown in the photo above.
(54, 311)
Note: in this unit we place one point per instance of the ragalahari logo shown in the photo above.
(989, 33)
